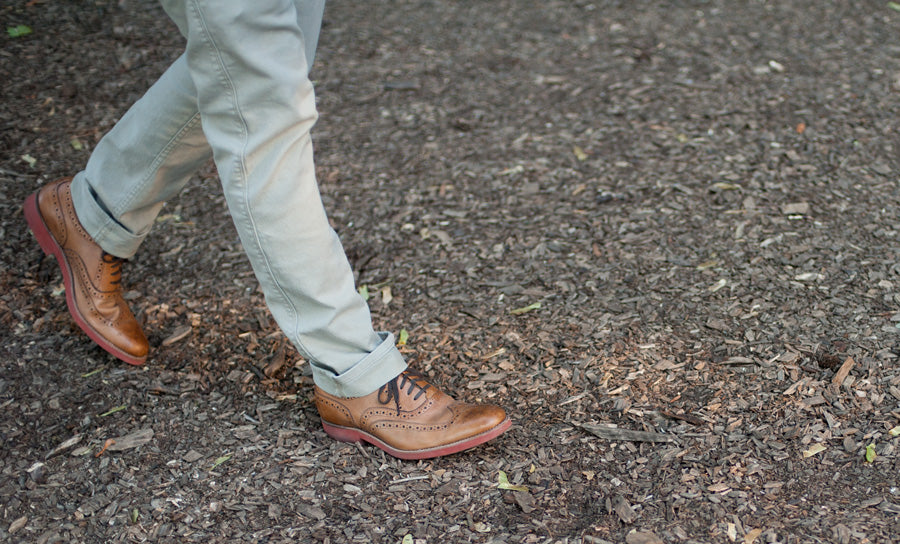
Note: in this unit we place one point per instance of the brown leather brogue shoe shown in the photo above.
(410, 418)
(91, 276)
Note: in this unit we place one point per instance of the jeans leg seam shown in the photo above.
(241, 172)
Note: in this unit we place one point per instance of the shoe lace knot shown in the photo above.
(391, 390)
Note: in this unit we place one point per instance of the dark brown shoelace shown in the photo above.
(115, 266)
(391, 390)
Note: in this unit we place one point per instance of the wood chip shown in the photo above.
(751, 537)
(588, 539)
(614, 433)
(717, 324)
(668, 364)
(276, 363)
(842, 372)
(868, 503)
(64, 446)
(623, 509)
(795, 208)
(133, 440)
(814, 449)
(841, 533)
(18, 524)
(895, 391)
(312, 512)
(814, 401)
(642, 537)
(693, 420)
(796, 385)
(178, 334)
(191, 456)
(525, 500)
(570, 400)
(737, 361)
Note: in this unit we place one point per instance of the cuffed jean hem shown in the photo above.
(106, 231)
(371, 372)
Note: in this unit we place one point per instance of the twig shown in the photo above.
(109, 442)
(614, 433)
(693, 420)
(576, 398)
(736, 361)
(410, 479)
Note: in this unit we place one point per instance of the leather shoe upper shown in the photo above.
(409, 414)
(94, 291)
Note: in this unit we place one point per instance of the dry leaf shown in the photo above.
(503, 483)
(870, 453)
(526, 309)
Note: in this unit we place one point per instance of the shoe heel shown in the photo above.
(37, 225)
(341, 434)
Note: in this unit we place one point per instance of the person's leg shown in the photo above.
(146, 158)
(249, 64)
(152, 152)
(94, 221)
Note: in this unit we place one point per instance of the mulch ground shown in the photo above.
(663, 235)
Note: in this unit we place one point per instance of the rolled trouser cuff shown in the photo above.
(374, 370)
(96, 220)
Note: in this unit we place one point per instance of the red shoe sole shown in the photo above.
(347, 434)
(51, 247)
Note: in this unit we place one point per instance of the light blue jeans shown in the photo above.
(241, 94)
